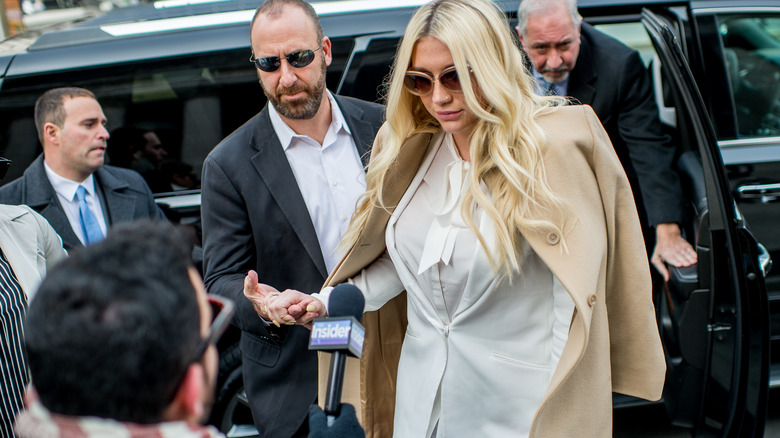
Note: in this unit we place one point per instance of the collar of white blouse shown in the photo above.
(448, 220)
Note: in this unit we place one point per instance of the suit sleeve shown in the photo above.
(636, 353)
(652, 152)
(228, 252)
(155, 212)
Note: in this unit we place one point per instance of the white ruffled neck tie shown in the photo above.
(447, 221)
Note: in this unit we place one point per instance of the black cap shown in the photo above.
(346, 300)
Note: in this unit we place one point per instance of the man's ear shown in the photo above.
(51, 133)
(519, 36)
(326, 50)
(187, 404)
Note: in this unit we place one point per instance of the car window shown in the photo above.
(369, 69)
(631, 34)
(751, 46)
(190, 102)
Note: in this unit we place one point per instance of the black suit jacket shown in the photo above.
(611, 78)
(124, 196)
(254, 217)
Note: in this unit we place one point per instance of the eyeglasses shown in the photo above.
(222, 310)
(298, 59)
(421, 84)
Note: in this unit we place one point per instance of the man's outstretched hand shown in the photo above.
(288, 307)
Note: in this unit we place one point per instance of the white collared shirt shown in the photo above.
(330, 177)
(66, 193)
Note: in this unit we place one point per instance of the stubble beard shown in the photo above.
(305, 109)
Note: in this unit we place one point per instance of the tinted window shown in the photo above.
(369, 69)
(190, 102)
(751, 47)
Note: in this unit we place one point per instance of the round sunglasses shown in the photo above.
(298, 59)
(421, 83)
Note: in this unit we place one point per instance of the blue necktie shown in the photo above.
(89, 223)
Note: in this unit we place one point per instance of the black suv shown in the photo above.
(182, 69)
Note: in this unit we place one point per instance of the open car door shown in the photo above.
(713, 317)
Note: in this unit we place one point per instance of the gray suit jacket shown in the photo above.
(254, 217)
(123, 194)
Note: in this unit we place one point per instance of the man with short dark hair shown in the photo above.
(118, 341)
(571, 58)
(278, 194)
(69, 185)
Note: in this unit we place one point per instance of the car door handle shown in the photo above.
(759, 192)
(764, 260)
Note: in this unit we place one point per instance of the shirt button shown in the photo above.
(592, 300)
(335, 184)
(552, 238)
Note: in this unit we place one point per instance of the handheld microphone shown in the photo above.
(342, 334)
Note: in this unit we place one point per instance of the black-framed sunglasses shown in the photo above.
(298, 59)
(420, 83)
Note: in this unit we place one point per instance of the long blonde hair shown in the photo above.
(506, 141)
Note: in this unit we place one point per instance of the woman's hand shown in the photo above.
(294, 307)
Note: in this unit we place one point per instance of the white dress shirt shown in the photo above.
(479, 350)
(66, 193)
(330, 177)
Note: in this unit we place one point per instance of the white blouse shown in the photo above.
(438, 249)
(470, 330)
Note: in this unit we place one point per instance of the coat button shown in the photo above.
(552, 238)
(592, 300)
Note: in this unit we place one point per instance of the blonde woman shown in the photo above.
(508, 221)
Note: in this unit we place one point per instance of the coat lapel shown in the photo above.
(583, 76)
(40, 196)
(274, 170)
(362, 130)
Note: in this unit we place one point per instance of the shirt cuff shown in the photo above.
(324, 295)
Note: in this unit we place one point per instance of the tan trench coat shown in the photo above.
(613, 342)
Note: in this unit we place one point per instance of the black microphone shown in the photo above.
(342, 334)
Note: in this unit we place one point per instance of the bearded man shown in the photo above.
(277, 194)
